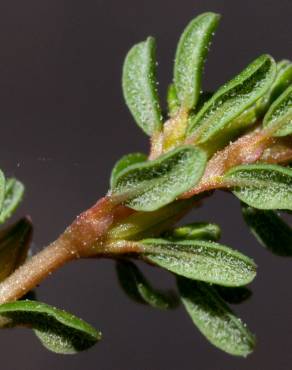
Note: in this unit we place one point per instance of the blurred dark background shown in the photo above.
(64, 124)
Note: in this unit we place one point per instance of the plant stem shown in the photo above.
(36, 269)
(82, 239)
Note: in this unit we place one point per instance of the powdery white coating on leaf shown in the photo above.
(190, 57)
(232, 99)
(280, 114)
(151, 185)
(214, 318)
(58, 330)
(139, 86)
(262, 186)
(201, 260)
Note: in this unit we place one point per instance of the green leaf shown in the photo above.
(139, 86)
(172, 100)
(149, 224)
(151, 185)
(58, 330)
(14, 191)
(214, 318)
(262, 186)
(2, 189)
(200, 260)
(269, 229)
(231, 100)
(137, 287)
(190, 58)
(124, 162)
(203, 98)
(282, 81)
(279, 116)
(233, 295)
(14, 245)
(196, 230)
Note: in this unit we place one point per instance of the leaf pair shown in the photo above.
(57, 330)
(139, 80)
(204, 303)
(227, 112)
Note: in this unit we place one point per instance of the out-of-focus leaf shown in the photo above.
(279, 116)
(14, 190)
(139, 86)
(200, 260)
(196, 230)
(124, 162)
(190, 58)
(2, 189)
(269, 229)
(58, 330)
(231, 100)
(138, 288)
(262, 186)
(14, 246)
(172, 100)
(233, 295)
(214, 318)
(151, 185)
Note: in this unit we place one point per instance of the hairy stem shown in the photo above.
(83, 238)
(35, 270)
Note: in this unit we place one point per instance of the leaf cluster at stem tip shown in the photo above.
(236, 138)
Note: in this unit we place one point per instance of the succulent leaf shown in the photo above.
(58, 330)
(140, 87)
(190, 58)
(269, 229)
(231, 100)
(151, 185)
(124, 162)
(279, 116)
(262, 186)
(214, 318)
(14, 245)
(138, 288)
(200, 260)
(14, 191)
